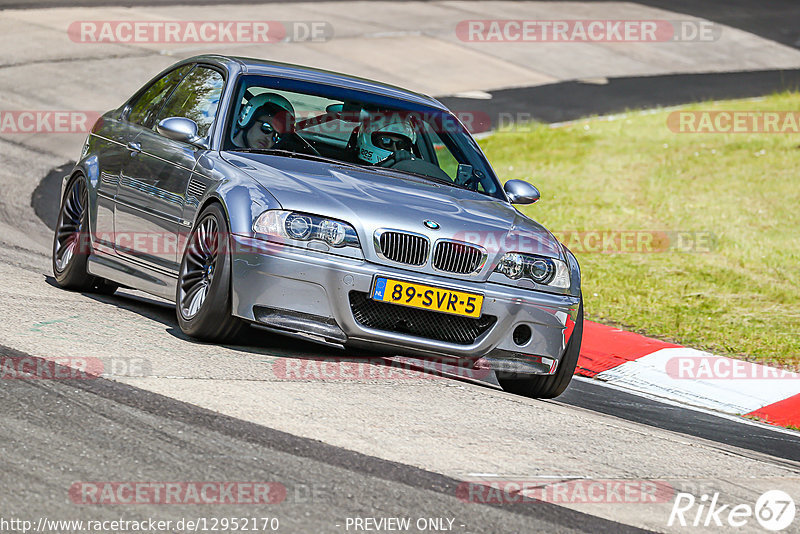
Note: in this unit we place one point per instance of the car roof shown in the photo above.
(299, 72)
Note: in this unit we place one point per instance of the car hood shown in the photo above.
(370, 199)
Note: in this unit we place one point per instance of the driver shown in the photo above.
(385, 140)
(266, 121)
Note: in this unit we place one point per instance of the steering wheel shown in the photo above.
(395, 158)
(404, 161)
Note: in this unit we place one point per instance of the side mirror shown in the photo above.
(521, 192)
(180, 129)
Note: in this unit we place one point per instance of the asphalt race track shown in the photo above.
(171, 409)
(585, 394)
(143, 436)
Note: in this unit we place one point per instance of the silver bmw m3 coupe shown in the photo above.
(316, 204)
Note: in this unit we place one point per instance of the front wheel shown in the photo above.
(203, 299)
(71, 244)
(549, 386)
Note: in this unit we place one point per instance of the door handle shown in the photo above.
(134, 147)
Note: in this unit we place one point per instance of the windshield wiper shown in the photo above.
(438, 180)
(426, 177)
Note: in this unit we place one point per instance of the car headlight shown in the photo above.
(544, 271)
(305, 227)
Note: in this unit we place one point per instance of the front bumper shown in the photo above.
(305, 292)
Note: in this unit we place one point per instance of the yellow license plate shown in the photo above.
(427, 297)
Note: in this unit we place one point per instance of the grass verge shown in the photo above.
(737, 293)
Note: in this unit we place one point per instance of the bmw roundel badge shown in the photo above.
(433, 225)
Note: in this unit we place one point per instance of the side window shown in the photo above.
(145, 107)
(197, 98)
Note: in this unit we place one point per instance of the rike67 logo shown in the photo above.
(774, 510)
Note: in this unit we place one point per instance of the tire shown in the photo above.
(203, 297)
(549, 386)
(71, 243)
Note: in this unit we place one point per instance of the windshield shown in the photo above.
(297, 118)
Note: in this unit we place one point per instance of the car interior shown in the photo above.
(331, 129)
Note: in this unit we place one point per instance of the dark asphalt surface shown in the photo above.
(56, 433)
(759, 438)
(38, 4)
(574, 99)
(578, 100)
(592, 396)
(778, 20)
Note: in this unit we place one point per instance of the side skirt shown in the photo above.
(125, 273)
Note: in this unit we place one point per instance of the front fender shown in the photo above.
(242, 199)
(574, 272)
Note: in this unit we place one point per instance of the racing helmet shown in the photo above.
(252, 105)
(381, 136)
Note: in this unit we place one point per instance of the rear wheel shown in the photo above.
(549, 386)
(203, 300)
(71, 244)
